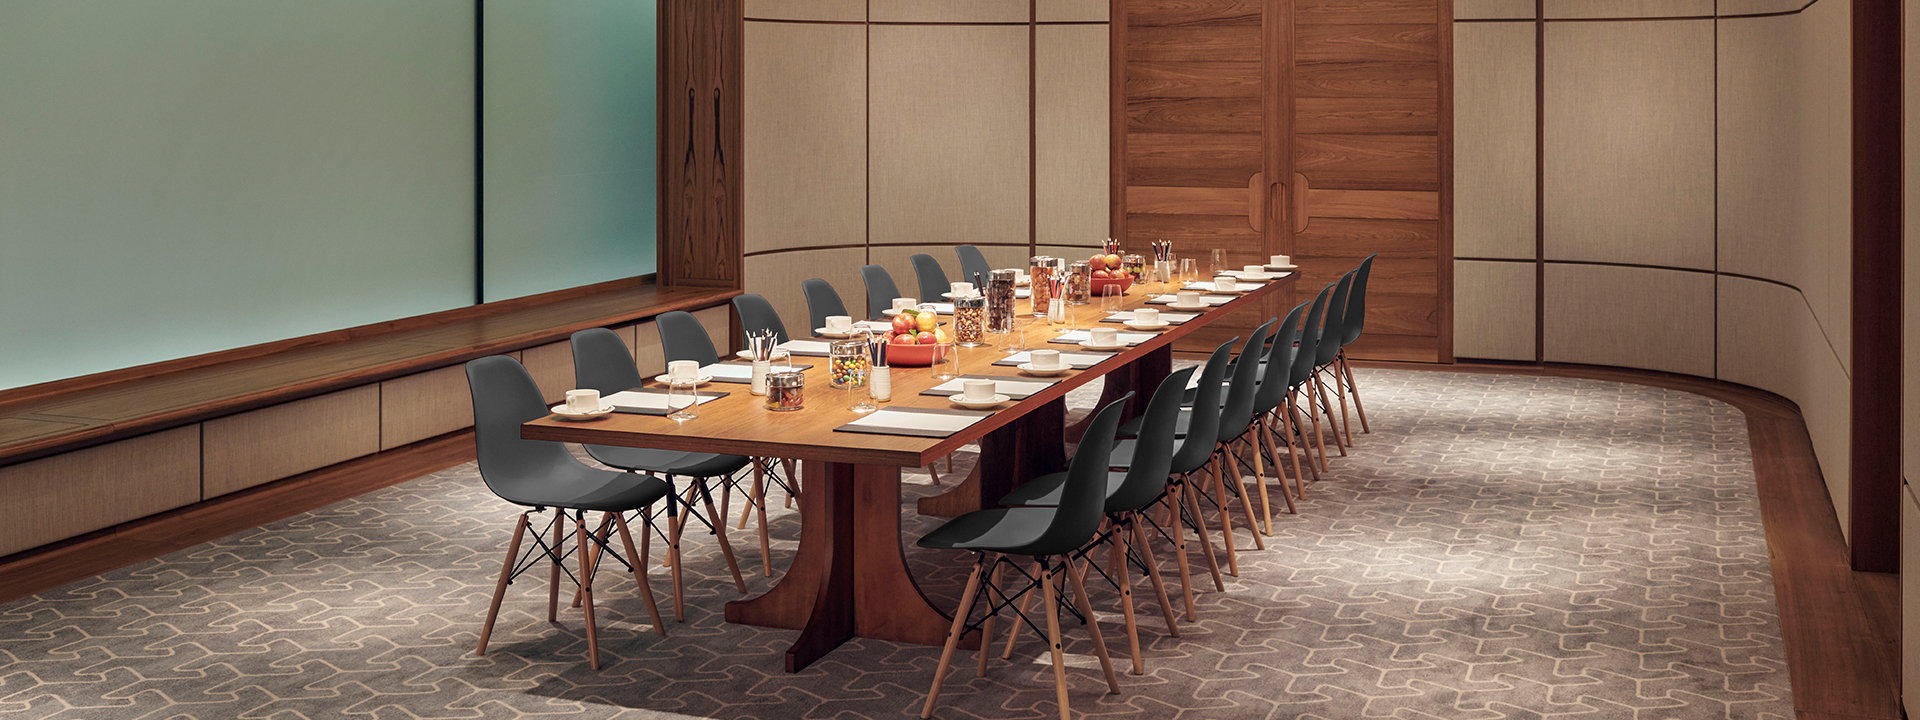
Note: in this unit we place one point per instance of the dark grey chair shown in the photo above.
(1269, 393)
(933, 279)
(682, 337)
(757, 315)
(1301, 378)
(880, 291)
(1236, 416)
(1129, 494)
(1050, 536)
(537, 475)
(1327, 354)
(822, 301)
(601, 362)
(973, 266)
(1356, 322)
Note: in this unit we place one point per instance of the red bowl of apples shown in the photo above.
(915, 355)
(908, 345)
(1107, 272)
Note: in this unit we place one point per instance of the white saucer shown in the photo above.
(702, 380)
(1281, 268)
(824, 332)
(565, 414)
(1178, 306)
(1088, 344)
(748, 355)
(1155, 326)
(962, 401)
(1049, 372)
(949, 295)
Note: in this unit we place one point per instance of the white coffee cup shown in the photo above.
(1146, 316)
(962, 289)
(1254, 269)
(1279, 261)
(683, 369)
(840, 323)
(583, 401)
(1105, 337)
(1186, 298)
(905, 303)
(980, 390)
(1224, 283)
(1045, 359)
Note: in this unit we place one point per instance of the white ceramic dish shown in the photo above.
(1028, 368)
(1282, 268)
(1088, 344)
(1156, 326)
(565, 414)
(1178, 306)
(702, 380)
(825, 332)
(962, 401)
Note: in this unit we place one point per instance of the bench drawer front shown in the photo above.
(56, 498)
(264, 445)
(420, 406)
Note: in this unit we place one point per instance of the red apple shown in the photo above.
(1102, 274)
(900, 338)
(926, 338)
(1097, 262)
(903, 323)
(1113, 261)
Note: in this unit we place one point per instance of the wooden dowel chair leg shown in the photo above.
(1053, 641)
(1125, 581)
(1153, 571)
(500, 589)
(1093, 625)
(953, 635)
(586, 588)
(553, 573)
(1180, 551)
(720, 533)
(639, 562)
(986, 630)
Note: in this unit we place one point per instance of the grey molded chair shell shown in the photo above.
(1309, 350)
(1236, 413)
(756, 314)
(1334, 327)
(682, 337)
(1356, 313)
(973, 265)
(1044, 531)
(1279, 362)
(933, 279)
(601, 362)
(822, 302)
(539, 473)
(1151, 459)
(880, 290)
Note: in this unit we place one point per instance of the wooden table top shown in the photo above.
(740, 424)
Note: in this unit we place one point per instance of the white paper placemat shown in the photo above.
(1208, 299)
(1079, 361)
(1166, 316)
(914, 422)
(1207, 286)
(1256, 276)
(646, 401)
(1126, 338)
(741, 372)
(1012, 387)
(810, 348)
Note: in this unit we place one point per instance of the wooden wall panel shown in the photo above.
(65, 495)
(1493, 310)
(1338, 12)
(1191, 80)
(701, 173)
(1356, 238)
(1629, 142)
(806, 135)
(1646, 318)
(1071, 183)
(423, 405)
(1365, 115)
(1369, 162)
(244, 450)
(949, 149)
(1494, 175)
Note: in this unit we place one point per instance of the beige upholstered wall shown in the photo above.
(938, 124)
(1692, 183)
(1910, 405)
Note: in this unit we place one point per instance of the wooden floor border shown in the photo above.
(1841, 628)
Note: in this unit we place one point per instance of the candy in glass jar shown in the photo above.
(848, 363)
(786, 391)
(1040, 281)
(1136, 266)
(1079, 283)
(970, 320)
(1000, 301)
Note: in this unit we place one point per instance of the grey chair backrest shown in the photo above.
(1356, 314)
(1153, 449)
(880, 291)
(1309, 350)
(1083, 497)
(1334, 329)
(1203, 426)
(683, 338)
(601, 361)
(822, 301)
(756, 315)
(933, 279)
(973, 265)
(504, 398)
(1279, 367)
(1237, 413)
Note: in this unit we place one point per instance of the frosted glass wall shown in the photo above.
(569, 143)
(186, 176)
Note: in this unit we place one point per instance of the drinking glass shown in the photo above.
(683, 398)
(1189, 271)
(1219, 261)
(1060, 316)
(1110, 298)
(948, 366)
(860, 398)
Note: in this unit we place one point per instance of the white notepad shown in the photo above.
(1257, 276)
(1010, 388)
(1126, 338)
(737, 372)
(1171, 318)
(1208, 299)
(644, 400)
(1207, 286)
(806, 347)
(916, 423)
(1077, 360)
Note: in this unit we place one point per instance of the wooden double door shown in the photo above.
(1319, 129)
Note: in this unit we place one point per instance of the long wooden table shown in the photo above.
(849, 577)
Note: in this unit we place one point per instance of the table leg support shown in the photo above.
(1009, 456)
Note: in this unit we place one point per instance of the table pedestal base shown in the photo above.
(1009, 456)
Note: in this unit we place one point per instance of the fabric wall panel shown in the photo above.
(1493, 135)
(806, 135)
(260, 446)
(1628, 8)
(948, 11)
(827, 10)
(81, 491)
(1070, 134)
(949, 136)
(423, 405)
(1491, 10)
(1646, 318)
(777, 277)
(1629, 142)
(1070, 10)
(1493, 310)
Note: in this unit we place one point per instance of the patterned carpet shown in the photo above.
(1498, 547)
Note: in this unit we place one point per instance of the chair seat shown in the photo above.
(1044, 491)
(1132, 428)
(1011, 530)
(667, 462)
(586, 488)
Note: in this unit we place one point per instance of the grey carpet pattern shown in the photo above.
(1498, 547)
